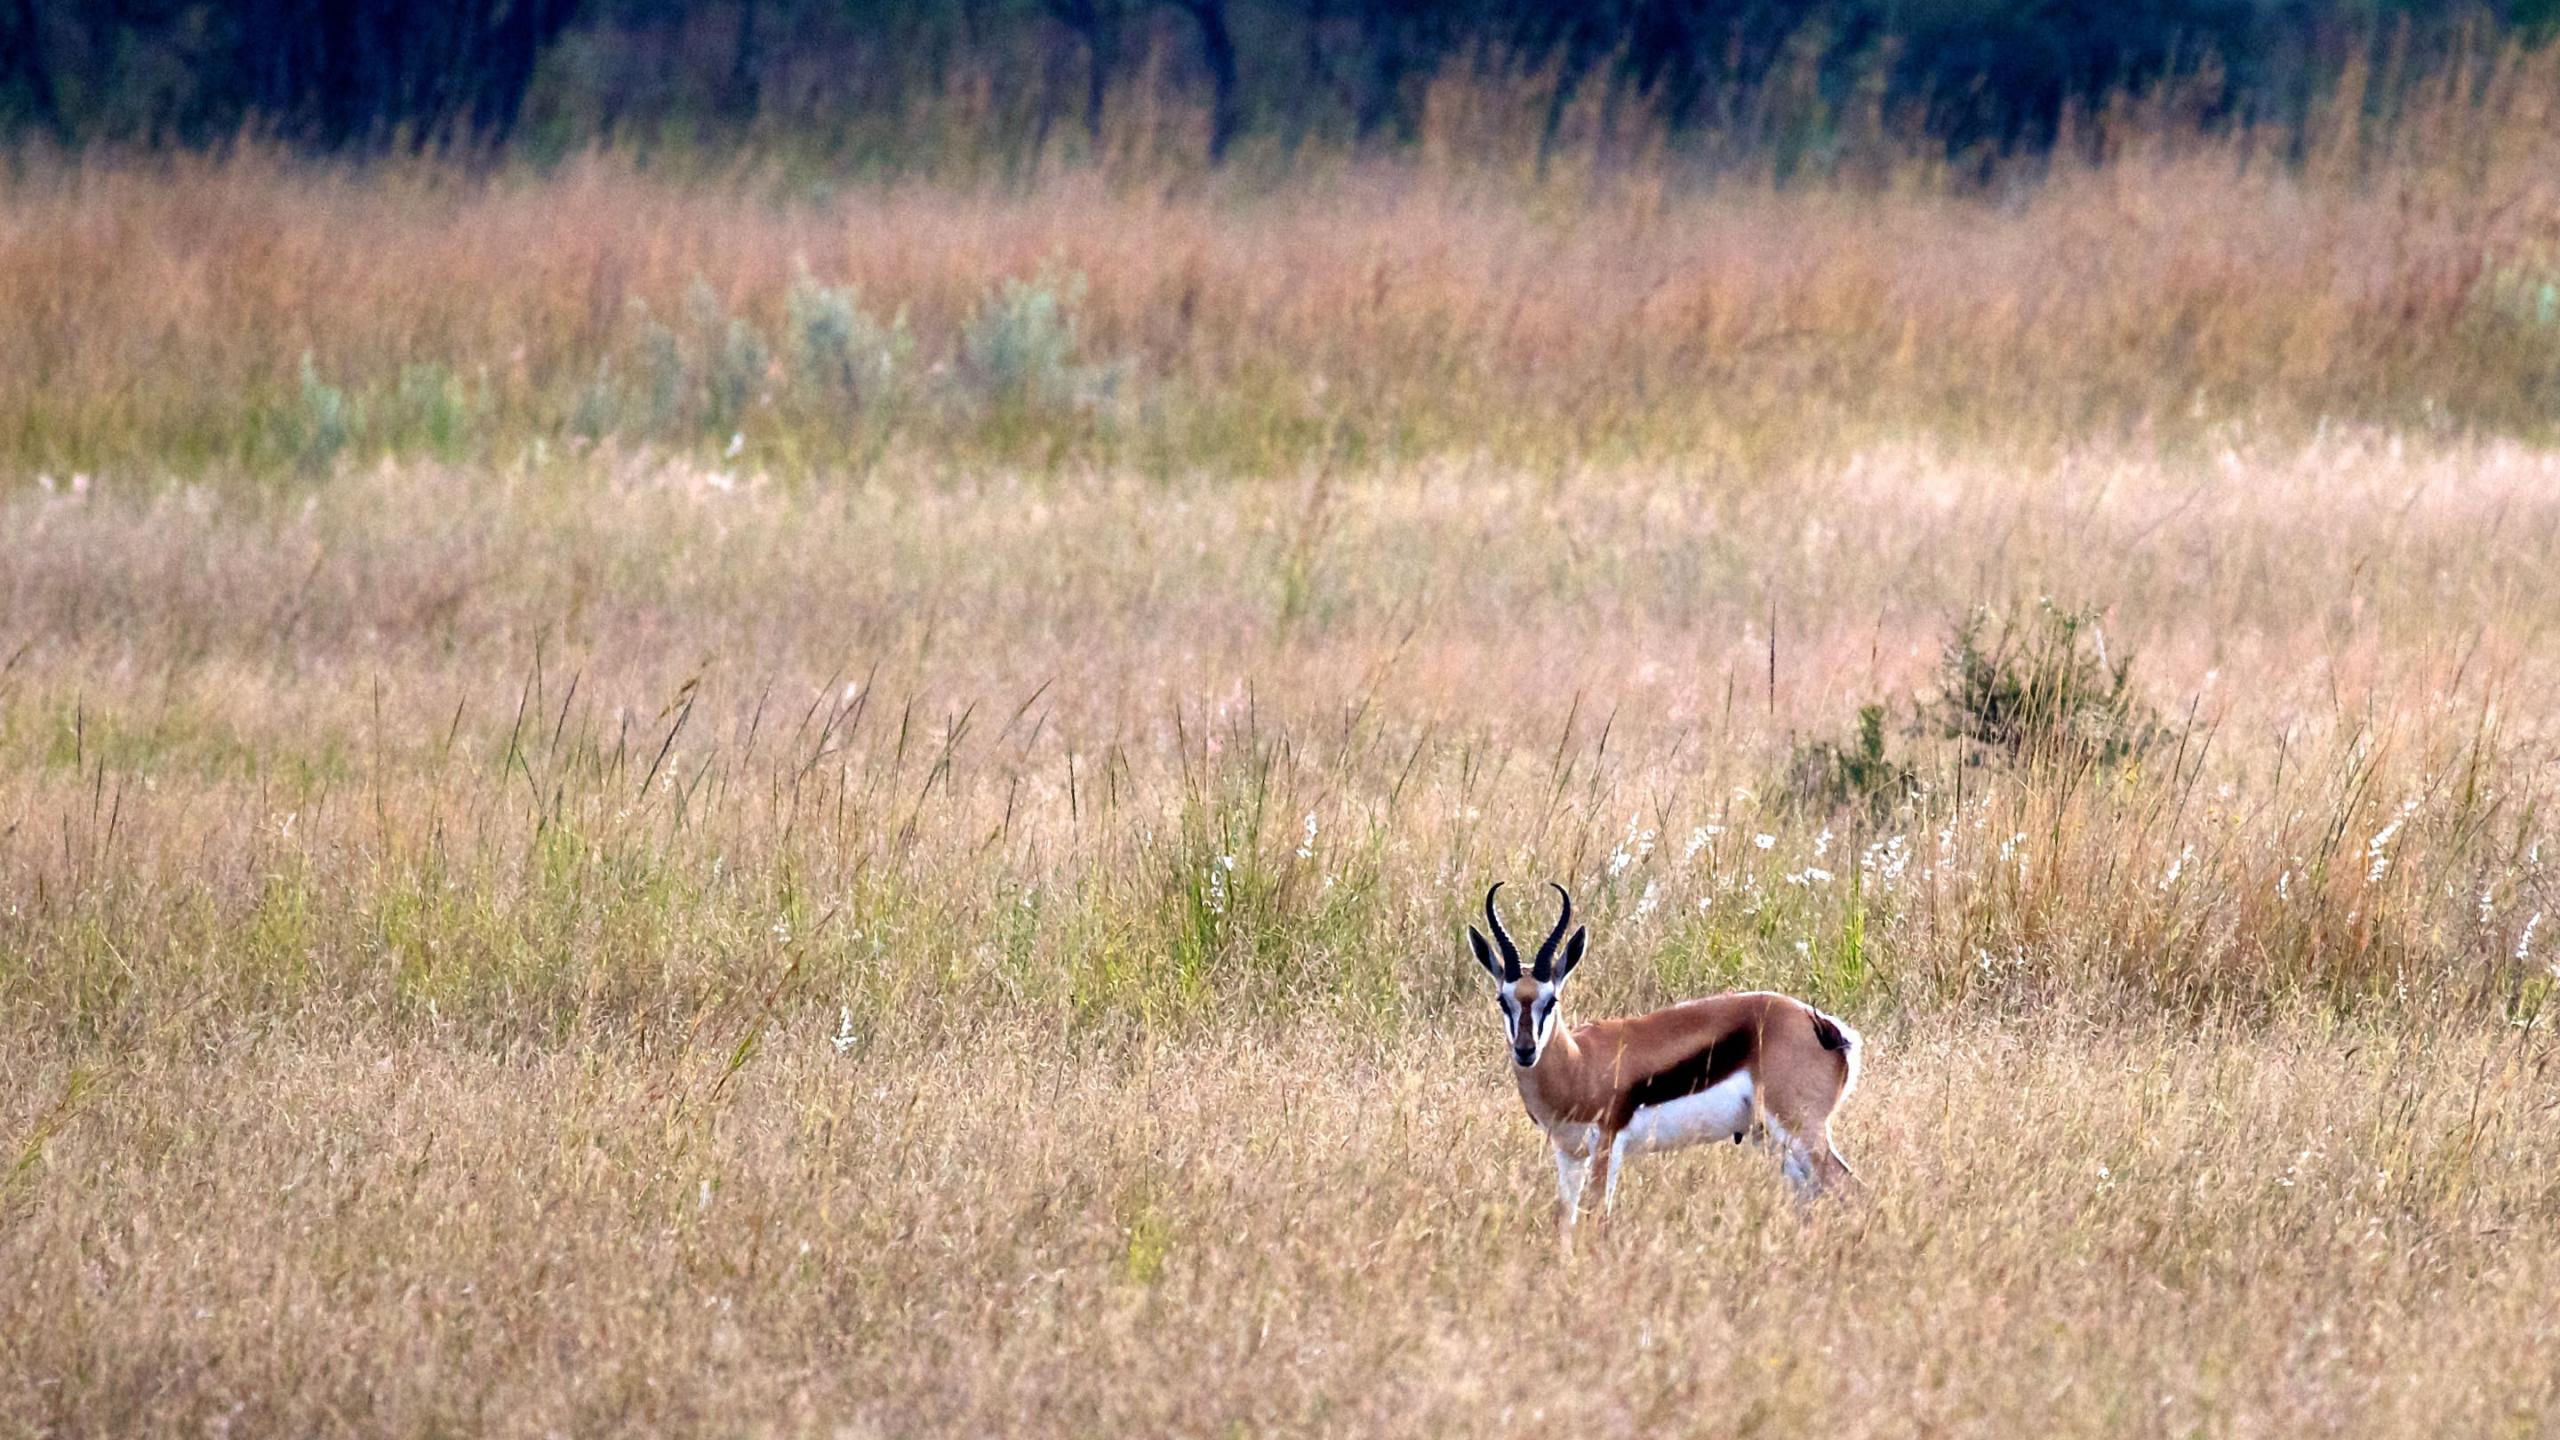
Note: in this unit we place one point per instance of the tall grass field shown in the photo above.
(654, 799)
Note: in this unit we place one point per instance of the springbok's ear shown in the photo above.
(1484, 954)
(1572, 953)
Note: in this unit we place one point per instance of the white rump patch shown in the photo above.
(1857, 1051)
(1719, 1112)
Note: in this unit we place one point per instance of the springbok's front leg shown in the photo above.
(1588, 1180)
(1602, 1187)
(1572, 1173)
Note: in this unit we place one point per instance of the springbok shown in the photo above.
(1694, 1072)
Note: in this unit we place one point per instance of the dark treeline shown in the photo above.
(369, 74)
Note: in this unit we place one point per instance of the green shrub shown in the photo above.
(2041, 688)
(428, 405)
(841, 355)
(1020, 348)
(663, 370)
(598, 411)
(1825, 775)
(739, 361)
(325, 421)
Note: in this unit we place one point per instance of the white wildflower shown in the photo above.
(1307, 846)
(1764, 840)
(2378, 849)
(2178, 866)
(2524, 942)
(843, 1038)
(1887, 859)
(1651, 897)
(1636, 846)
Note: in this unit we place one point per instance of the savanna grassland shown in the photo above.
(713, 802)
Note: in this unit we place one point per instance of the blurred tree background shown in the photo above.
(867, 78)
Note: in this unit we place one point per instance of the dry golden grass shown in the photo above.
(2070, 1229)
(212, 316)
(591, 937)
(395, 1041)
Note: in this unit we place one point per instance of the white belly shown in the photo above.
(1719, 1112)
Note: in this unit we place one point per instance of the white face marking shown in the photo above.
(1528, 1016)
(1719, 1112)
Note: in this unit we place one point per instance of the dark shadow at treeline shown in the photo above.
(851, 75)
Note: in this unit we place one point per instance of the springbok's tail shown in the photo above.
(1842, 1041)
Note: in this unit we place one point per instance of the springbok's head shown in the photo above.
(1528, 1001)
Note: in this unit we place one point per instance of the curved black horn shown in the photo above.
(1564, 922)
(1510, 952)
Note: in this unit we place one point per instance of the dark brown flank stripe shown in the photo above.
(1682, 1079)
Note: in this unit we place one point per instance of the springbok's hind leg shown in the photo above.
(1809, 1161)
(1834, 1170)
